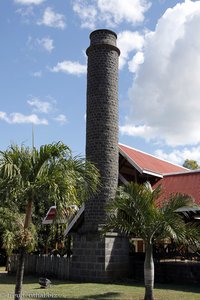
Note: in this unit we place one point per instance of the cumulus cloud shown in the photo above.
(87, 12)
(46, 43)
(136, 61)
(52, 19)
(40, 106)
(113, 12)
(62, 119)
(178, 156)
(136, 131)
(127, 42)
(70, 67)
(29, 2)
(164, 97)
(19, 118)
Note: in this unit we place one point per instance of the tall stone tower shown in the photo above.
(102, 121)
(97, 258)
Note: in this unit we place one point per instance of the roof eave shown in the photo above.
(130, 161)
(140, 170)
(182, 173)
(74, 220)
(152, 173)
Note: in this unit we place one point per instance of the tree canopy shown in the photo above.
(191, 164)
(32, 178)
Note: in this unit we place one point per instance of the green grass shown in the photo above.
(70, 290)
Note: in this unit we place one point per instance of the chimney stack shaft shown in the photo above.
(102, 121)
(96, 258)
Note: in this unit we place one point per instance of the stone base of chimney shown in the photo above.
(99, 259)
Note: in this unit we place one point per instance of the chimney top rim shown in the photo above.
(103, 30)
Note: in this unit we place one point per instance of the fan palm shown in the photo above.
(25, 172)
(135, 212)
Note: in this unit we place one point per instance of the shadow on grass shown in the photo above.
(108, 295)
(6, 278)
(194, 288)
(10, 279)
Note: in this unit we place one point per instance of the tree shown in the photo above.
(134, 212)
(13, 234)
(191, 164)
(25, 173)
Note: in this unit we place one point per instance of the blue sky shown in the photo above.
(43, 72)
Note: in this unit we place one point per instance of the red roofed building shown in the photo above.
(52, 213)
(185, 183)
(140, 167)
(148, 164)
(50, 216)
(135, 165)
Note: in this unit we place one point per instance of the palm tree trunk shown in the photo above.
(28, 214)
(20, 274)
(22, 254)
(149, 272)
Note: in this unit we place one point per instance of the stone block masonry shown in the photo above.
(99, 259)
(96, 258)
(102, 121)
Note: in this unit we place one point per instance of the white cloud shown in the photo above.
(40, 106)
(138, 131)
(111, 13)
(164, 97)
(18, 118)
(46, 43)
(127, 42)
(29, 2)
(52, 19)
(4, 117)
(37, 74)
(179, 156)
(136, 61)
(117, 11)
(62, 119)
(25, 12)
(70, 67)
(87, 13)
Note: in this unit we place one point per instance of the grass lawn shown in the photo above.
(70, 290)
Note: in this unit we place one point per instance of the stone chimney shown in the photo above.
(96, 257)
(102, 121)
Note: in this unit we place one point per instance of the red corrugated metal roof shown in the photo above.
(67, 214)
(188, 183)
(146, 163)
(50, 215)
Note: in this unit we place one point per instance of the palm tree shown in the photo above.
(135, 212)
(13, 234)
(25, 172)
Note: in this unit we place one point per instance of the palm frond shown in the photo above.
(134, 211)
(134, 207)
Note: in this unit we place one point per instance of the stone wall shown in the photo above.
(99, 259)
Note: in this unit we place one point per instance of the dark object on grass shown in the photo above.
(44, 282)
